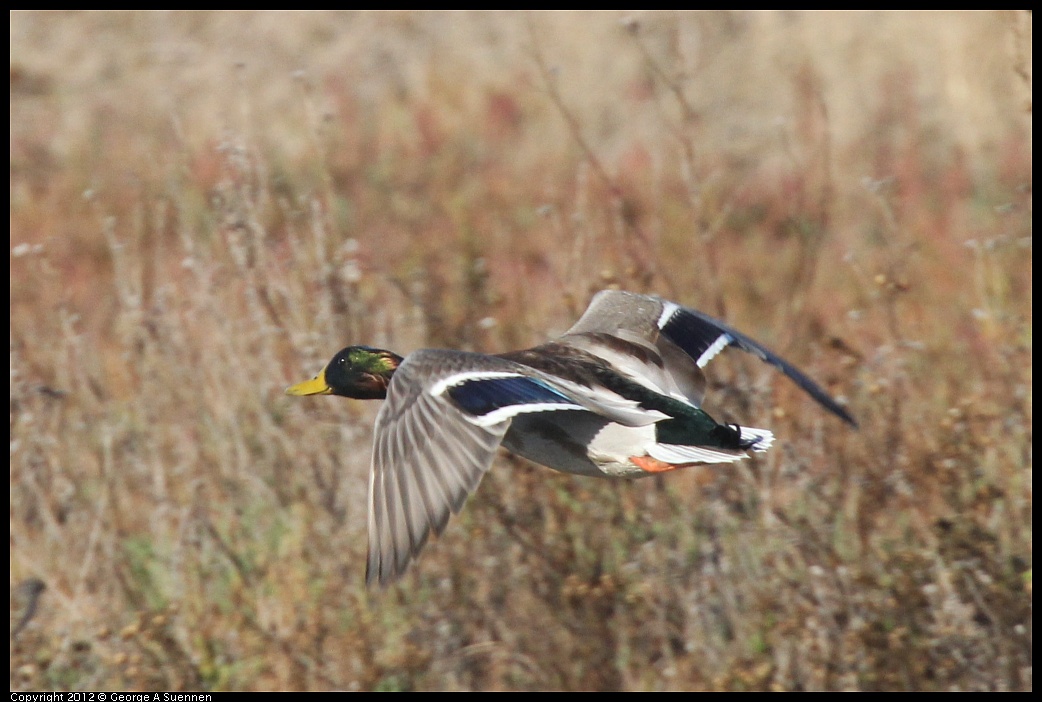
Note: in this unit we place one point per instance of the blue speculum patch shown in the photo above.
(692, 334)
(480, 396)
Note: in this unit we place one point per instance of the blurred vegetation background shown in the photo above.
(205, 206)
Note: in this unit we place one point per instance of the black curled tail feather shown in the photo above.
(729, 436)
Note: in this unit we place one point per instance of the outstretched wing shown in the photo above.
(445, 414)
(702, 337)
(698, 335)
(427, 458)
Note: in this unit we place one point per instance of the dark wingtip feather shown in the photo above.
(696, 333)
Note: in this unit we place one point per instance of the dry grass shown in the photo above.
(206, 206)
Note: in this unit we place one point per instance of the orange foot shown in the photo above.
(654, 465)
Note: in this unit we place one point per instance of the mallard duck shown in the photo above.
(618, 395)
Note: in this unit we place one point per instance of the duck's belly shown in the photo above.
(579, 442)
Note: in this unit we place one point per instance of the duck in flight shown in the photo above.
(618, 395)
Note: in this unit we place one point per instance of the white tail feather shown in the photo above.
(675, 454)
(763, 437)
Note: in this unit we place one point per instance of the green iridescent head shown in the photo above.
(361, 372)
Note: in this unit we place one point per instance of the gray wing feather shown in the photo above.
(673, 328)
(427, 458)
